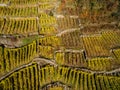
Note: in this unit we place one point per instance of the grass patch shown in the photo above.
(28, 40)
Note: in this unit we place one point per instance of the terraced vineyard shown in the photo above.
(58, 45)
